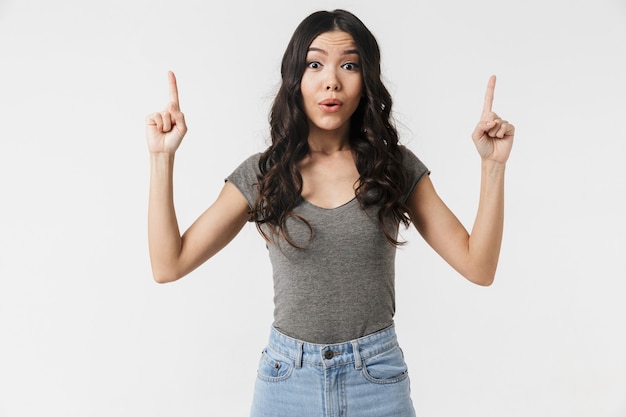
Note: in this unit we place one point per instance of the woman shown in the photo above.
(328, 195)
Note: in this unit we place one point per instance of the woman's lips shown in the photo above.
(330, 105)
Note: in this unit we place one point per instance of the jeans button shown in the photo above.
(329, 354)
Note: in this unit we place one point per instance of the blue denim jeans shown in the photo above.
(366, 377)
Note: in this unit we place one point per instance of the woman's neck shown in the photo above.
(327, 141)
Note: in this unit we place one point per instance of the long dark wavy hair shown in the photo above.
(373, 136)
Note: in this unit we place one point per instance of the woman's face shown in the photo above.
(332, 84)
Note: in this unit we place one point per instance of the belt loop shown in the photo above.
(357, 355)
(299, 357)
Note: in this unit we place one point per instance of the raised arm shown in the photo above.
(172, 256)
(473, 255)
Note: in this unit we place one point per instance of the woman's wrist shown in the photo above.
(493, 166)
(160, 157)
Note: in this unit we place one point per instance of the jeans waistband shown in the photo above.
(328, 355)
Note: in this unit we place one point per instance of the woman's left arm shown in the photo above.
(475, 255)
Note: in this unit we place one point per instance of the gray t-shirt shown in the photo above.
(340, 285)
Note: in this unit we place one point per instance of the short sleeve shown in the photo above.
(415, 168)
(245, 178)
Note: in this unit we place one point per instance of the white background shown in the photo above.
(84, 331)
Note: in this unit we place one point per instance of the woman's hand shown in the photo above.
(165, 130)
(493, 136)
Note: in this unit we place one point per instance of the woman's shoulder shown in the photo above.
(411, 161)
(245, 177)
(247, 172)
(252, 159)
(249, 166)
(415, 169)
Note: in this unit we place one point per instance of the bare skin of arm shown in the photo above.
(474, 255)
(173, 256)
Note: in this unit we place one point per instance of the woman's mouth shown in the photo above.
(330, 105)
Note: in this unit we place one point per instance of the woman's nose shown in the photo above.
(332, 83)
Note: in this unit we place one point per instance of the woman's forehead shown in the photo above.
(334, 39)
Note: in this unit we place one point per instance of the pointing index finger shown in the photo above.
(173, 89)
(491, 85)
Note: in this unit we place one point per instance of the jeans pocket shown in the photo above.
(386, 368)
(274, 367)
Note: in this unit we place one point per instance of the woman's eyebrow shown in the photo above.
(346, 52)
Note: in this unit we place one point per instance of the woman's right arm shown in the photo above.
(173, 256)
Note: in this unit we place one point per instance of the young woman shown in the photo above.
(329, 195)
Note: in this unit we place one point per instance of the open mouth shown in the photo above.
(330, 105)
(331, 102)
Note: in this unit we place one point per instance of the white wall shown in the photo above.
(84, 331)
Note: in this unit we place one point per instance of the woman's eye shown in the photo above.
(313, 65)
(350, 66)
